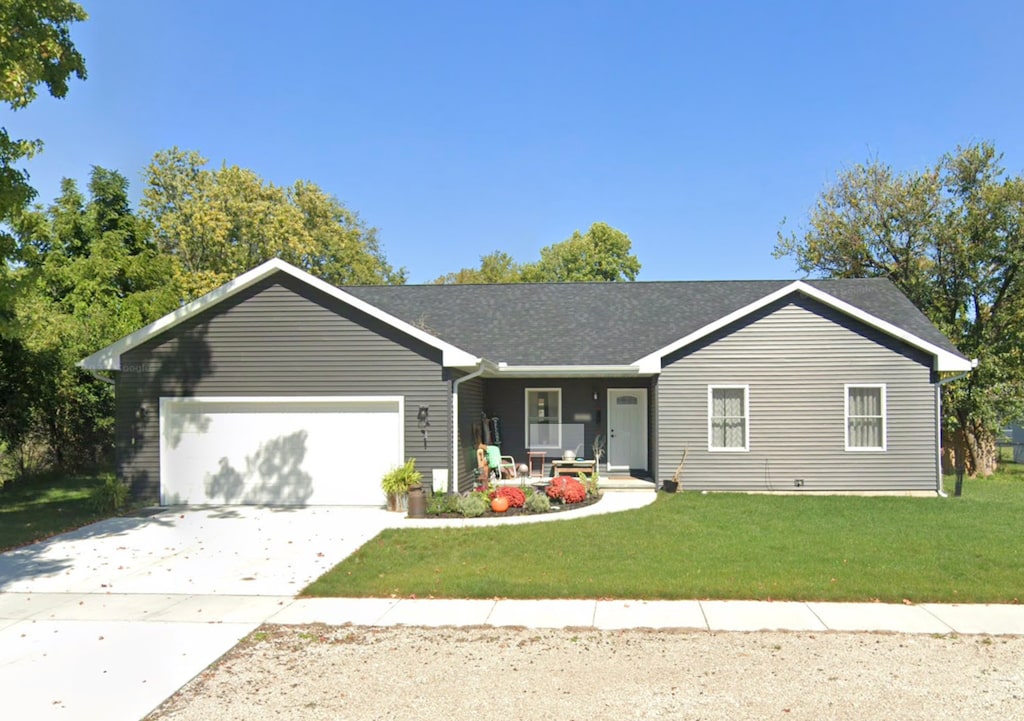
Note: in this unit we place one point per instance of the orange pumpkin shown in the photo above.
(499, 504)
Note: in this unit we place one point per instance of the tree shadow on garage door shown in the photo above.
(273, 475)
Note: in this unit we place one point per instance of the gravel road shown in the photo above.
(321, 672)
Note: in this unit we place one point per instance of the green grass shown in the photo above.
(723, 546)
(38, 507)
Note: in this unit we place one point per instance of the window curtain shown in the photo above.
(728, 416)
(865, 417)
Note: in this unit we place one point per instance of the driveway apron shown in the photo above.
(107, 621)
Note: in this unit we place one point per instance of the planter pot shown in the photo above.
(670, 486)
(397, 502)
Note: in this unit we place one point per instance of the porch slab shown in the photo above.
(760, 616)
(612, 615)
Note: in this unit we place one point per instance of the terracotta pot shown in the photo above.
(499, 504)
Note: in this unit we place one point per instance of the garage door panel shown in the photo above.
(289, 453)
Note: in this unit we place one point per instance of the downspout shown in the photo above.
(938, 423)
(453, 483)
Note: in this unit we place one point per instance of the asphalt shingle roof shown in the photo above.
(607, 323)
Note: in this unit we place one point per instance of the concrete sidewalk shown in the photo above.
(684, 615)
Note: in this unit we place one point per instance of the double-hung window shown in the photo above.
(728, 418)
(543, 418)
(865, 417)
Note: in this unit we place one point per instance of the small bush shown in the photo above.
(439, 503)
(473, 505)
(538, 503)
(110, 496)
(516, 498)
(566, 489)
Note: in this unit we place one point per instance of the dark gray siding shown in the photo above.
(471, 405)
(278, 338)
(506, 398)
(796, 358)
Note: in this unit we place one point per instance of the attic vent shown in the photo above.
(626, 401)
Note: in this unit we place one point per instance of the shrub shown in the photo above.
(566, 489)
(516, 498)
(401, 478)
(439, 503)
(473, 505)
(486, 491)
(110, 496)
(538, 503)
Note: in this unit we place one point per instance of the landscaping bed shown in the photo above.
(488, 501)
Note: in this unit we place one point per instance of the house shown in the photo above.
(280, 388)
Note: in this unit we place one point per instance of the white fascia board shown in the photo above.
(563, 371)
(109, 358)
(943, 359)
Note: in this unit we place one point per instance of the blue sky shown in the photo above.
(461, 128)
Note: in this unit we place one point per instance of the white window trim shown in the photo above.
(746, 420)
(526, 415)
(846, 419)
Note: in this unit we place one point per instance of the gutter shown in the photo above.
(938, 424)
(484, 365)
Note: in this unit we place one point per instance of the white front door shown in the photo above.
(627, 428)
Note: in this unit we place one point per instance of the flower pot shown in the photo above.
(397, 501)
(670, 486)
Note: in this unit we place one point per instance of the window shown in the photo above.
(543, 418)
(865, 417)
(728, 422)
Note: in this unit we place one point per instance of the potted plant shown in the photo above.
(397, 483)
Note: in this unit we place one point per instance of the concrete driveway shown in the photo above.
(107, 621)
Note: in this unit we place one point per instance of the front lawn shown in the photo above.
(41, 506)
(722, 546)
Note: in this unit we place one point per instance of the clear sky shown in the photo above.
(461, 128)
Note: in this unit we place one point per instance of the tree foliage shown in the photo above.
(603, 253)
(950, 237)
(35, 49)
(219, 223)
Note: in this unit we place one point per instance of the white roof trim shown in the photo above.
(109, 358)
(562, 371)
(944, 360)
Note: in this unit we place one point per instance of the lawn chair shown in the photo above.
(497, 465)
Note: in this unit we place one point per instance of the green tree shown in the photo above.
(601, 254)
(950, 237)
(219, 223)
(496, 267)
(35, 49)
(88, 273)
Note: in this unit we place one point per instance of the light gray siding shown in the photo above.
(796, 358)
(278, 338)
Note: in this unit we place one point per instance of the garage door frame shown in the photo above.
(167, 403)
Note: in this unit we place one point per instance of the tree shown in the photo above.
(496, 267)
(88, 273)
(35, 49)
(950, 237)
(600, 254)
(217, 224)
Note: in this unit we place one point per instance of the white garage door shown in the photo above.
(278, 451)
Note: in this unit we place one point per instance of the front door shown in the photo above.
(627, 428)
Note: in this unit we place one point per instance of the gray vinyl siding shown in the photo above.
(506, 398)
(471, 405)
(796, 358)
(278, 338)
